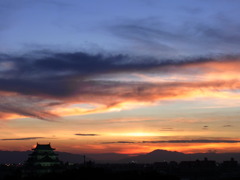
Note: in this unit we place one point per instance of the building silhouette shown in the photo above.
(42, 160)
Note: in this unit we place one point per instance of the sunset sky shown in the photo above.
(121, 76)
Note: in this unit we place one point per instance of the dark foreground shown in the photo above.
(194, 170)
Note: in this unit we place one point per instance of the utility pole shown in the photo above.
(84, 159)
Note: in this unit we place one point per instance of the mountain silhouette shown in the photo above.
(15, 157)
(157, 156)
(163, 155)
(154, 156)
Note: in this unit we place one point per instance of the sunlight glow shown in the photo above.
(139, 134)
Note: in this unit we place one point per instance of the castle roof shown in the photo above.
(47, 159)
(43, 147)
(34, 153)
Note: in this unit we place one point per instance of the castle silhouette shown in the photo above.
(42, 160)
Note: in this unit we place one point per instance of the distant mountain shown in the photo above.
(72, 158)
(157, 156)
(10, 157)
(163, 155)
(107, 157)
(154, 156)
(14, 157)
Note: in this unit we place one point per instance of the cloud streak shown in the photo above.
(80, 134)
(167, 39)
(22, 139)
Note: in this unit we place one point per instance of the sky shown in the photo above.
(120, 76)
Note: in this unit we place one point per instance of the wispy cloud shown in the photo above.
(25, 106)
(22, 139)
(120, 142)
(168, 129)
(205, 127)
(167, 39)
(227, 126)
(80, 134)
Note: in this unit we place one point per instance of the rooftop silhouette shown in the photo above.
(42, 160)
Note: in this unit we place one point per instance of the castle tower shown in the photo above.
(42, 160)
